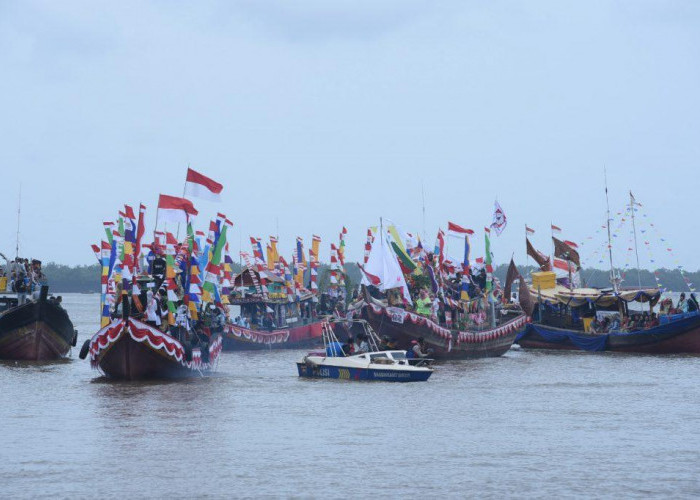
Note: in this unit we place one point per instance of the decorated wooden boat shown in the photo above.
(568, 317)
(299, 327)
(679, 336)
(239, 338)
(38, 330)
(406, 326)
(131, 350)
(563, 316)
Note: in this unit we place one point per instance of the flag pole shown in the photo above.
(184, 188)
(636, 250)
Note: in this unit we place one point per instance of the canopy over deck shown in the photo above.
(600, 297)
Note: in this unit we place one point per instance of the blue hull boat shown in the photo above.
(308, 370)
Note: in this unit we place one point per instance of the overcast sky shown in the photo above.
(318, 114)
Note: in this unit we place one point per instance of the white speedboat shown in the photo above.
(389, 366)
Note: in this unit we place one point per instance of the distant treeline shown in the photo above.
(86, 279)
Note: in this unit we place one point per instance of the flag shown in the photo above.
(487, 260)
(140, 230)
(201, 186)
(451, 226)
(556, 229)
(440, 247)
(563, 251)
(341, 246)
(541, 259)
(529, 230)
(511, 276)
(405, 261)
(368, 244)
(173, 209)
(634, 201)
(499, 219)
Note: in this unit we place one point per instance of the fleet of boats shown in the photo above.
(169, 305)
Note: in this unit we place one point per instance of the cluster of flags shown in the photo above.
(411, 257)
(203, 266)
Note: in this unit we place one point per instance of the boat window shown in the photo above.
(378, 355)
(398, 354)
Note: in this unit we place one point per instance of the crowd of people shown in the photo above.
(24, 277)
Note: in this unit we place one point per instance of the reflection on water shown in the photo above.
(529, 424)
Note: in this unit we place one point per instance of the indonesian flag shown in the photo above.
(201, 186)
(173, 209)
(556, 229)
(451, 226)
(529, 230)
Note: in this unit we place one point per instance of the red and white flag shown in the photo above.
(529, 230)
(556, 229)
(201, 186)
(173, 209)
(452, 227)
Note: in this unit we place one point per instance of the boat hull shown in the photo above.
(237, 338)
(446, 344)
(677, 337)
(309, 370)
(36, 331)
(123, 352)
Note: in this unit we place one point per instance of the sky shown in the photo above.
(316, 115)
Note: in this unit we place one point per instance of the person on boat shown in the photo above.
(152, 311)
(682, 305)
(387, 344)
(693, 305)
(423, 304)
(268, 322)
(654, 320)
(361, 346)
(349, 347)
(614, 324)
(595, 326)
(418, 349)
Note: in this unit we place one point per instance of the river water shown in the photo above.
(529, 424)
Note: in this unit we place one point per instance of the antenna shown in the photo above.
(19, 207)
(613, 279)
(422, 190)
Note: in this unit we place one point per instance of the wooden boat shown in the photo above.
(238, 338)
(302, 329)
(559, 324)
(405, 326)
(679, 336)
(131, 350)
(38, 330)
(563, 314)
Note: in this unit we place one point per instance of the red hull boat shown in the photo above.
(238, 338)
(131, 350)
(405, 326)
(35, 331)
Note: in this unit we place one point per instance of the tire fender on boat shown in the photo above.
(84, 350)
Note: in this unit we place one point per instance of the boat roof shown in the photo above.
(602, 297)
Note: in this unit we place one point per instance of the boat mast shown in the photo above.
(422, 190)
(636, 250)
(19, 206)
(613, 279)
